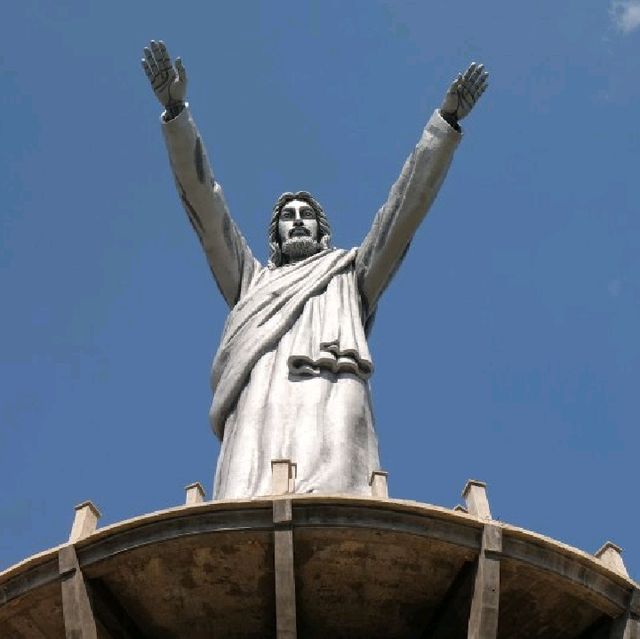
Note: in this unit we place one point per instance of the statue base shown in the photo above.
(315, 566)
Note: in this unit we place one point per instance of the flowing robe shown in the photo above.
(291, 376)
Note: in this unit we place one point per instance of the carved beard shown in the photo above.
(300, 247)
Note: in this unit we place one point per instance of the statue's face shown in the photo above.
(297, 220)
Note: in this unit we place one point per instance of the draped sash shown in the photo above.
(319, 296)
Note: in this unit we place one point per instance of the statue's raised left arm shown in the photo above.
(227, 252)
(411, 196)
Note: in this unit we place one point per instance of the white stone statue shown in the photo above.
(291, 376)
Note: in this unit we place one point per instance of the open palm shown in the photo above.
(464, 92)
(168, 81)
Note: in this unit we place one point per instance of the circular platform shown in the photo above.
(362, 568)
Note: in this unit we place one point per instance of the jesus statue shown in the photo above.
(291, 376)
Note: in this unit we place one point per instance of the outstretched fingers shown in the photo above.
(480, 85)
(147, 69)
(454, 88)
(164, 61)
(155, 48)
(474, 83)
(182, 72)
(477, 72)
(470, 71)
(151, 61)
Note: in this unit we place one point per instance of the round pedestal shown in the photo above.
(321, 566)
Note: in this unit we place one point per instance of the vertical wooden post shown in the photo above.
(475, 496)
(627, 626)
(293, 475)
(379, 484)
(284, 570)
(483, 618)
(610, 555)
(194, 494)
(79, 621)
(283, 476)
(85, 521)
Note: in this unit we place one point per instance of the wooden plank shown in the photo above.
(483, 618)
(284, 570)
(626, 626)
(79, 621)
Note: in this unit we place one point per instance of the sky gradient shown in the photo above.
(507, 347)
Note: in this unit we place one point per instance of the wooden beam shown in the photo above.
(79, 621)
(111, 613)
(483, 618)
(379, 483)
(85, 521)
(194, 494)
(284, 570)
(474, 494)
(626, 626)
(610, 555)
(283, 476)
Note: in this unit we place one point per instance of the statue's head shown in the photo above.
(298, 229)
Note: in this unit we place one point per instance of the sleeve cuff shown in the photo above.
(438, 124)
(166, 120)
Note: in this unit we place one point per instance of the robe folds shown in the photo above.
(291, 376)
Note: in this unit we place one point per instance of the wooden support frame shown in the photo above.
(474, 494)
(286, 627)
(194, 494)
(485, 604)
(88, 606)
(627, 626)
(77, 608)
(379, 483)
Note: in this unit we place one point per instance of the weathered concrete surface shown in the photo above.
(361, 568)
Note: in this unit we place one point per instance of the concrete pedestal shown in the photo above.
(316, 566)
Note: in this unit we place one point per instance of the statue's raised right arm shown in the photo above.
(228, 254)
(411, 196)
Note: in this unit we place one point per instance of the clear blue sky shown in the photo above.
(507, 347)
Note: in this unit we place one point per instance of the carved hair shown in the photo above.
(324, 230)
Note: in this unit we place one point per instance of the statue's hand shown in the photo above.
(168, 81)
(463, 93)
